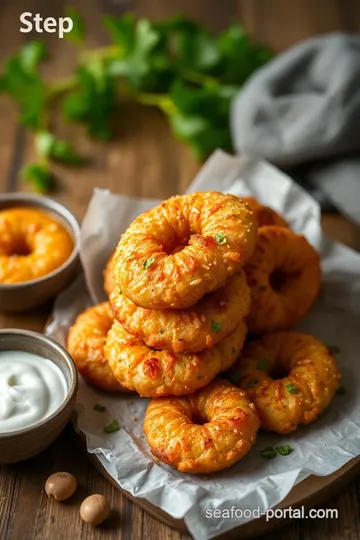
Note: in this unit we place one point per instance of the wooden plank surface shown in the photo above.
(143, 160)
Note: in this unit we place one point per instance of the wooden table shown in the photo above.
(144, 160)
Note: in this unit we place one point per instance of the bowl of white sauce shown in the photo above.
(38, 386)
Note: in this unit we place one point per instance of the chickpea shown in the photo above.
(61, 486)
(95, 509)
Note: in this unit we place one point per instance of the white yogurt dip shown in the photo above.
(31, 389)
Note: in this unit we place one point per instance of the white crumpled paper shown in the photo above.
(320, 448)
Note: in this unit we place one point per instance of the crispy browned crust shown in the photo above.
(32, 244)
(264, 214)
(193, 329)
(297, 265)
(220, 233)
(311, 380)
(155, 373)
(85, 343)
(229, 429)
(109, 282)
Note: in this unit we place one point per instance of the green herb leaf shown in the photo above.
(252, 383)
(215, 326)
(192, 47)
(268, 453)
(22, 82)
(138, 59)
(39, 176)
(284, 450)
(111, 428)
(220, 238)
(77, 34)
(239, 56)
(31, 54)
(201, 117)
(333, 349)
(99, 408)
(49, 146)
(93, 99)
(263, 365)
(148, 262)
(292, 389)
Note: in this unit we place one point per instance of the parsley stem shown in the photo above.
(60, 86)
(199, 78)
(100, 53)
(157, 100)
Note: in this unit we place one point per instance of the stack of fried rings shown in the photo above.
(171, 347)
(198, 342)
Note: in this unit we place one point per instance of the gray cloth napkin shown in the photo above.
(302, 113)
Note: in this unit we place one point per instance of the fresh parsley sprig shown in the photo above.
(176, 65)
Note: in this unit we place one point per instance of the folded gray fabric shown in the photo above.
(302, 112)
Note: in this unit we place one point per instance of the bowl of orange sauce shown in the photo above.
(39, 250)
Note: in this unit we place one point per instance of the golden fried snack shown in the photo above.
(109, 282)
(264, 214)
(202, 433)
(219, 234)
(193, 329)
(154, 373)
(32, 244)
(291, 378)
(86, 342)
(284, 276)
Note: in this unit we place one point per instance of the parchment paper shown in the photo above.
(320, 448)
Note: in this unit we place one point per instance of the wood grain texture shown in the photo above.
(143, 160)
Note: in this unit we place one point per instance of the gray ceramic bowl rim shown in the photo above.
(73, 379)
(53, 206)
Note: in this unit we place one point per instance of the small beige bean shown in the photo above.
(95, 509)
(60, 486)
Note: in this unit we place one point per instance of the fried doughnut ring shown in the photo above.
(291, 377)
(264, 214)
(193, 329)
(85, 344)
(220, 233)
(154, 373)
(202, 433)
(109, 282)
(284, 275)
(32, 244)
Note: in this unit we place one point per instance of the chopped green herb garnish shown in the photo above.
(268, 453)
(220, 238)
(334, 349)
(284, 450)
(111, 428)
(341, 391)
(291, 388)
(252, 383)
(263, 365)
(215, 327)
(148, 262)
(99, 408)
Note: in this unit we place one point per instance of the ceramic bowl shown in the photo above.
(27, 295)
(22, 444)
